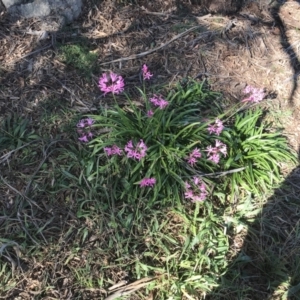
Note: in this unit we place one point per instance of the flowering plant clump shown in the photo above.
(161, 154)
(255, 95)
(157, 144)
(149, 138)
(84, 129)
(111, 83)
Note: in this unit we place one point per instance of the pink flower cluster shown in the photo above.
(137, 152)
(255, 95)
(146, 72)
(157, 100)
(84, 129)
(150, 113)
(216, 128)
(213, 153)
(192, 158)
(147, 182)
(196, 191)
(114, 150)
(111, 83)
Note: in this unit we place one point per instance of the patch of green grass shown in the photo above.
(267, 266)
(56, 118)
(71, 229)
(6, 276)
(80, 57)
(15, 131)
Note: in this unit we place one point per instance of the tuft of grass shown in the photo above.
(56, 119)
(79, 57)
(259, 149)
(15, 131)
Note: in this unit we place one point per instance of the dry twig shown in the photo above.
(135, 56)
(130, 288)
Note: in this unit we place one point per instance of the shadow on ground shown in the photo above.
(286, 44)
(266, 264)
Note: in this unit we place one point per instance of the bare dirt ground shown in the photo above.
(257, 43)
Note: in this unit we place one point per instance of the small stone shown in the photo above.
(67, 9)
(9, 3)
(31, 10)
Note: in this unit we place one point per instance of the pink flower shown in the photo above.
(81, 123)
(163, 103)
(213, 153)
(218, 143)
(192, 161)
(256, 95)
(142, 145)
(216, 128)
(197, 180)
(108, 151)
(192, 158)
(199, 198)
(196, 153)
(196, 191)
(114, 150)
(136, 155)
(137, 152)
(129, 146)
(111, 83)
(146, 72)
(221, 147)
(89, 121)
(214, 158)
(187, 185)
(159, 101)
(150, 113)
(223, 150)
(247, 89)
(147, 182)
(189, 194)
(84, 130)
(210, 150)
(84, 139)
(85, 122)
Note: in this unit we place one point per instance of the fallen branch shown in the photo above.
(135, 56)
(218, 174)
(130, 288)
